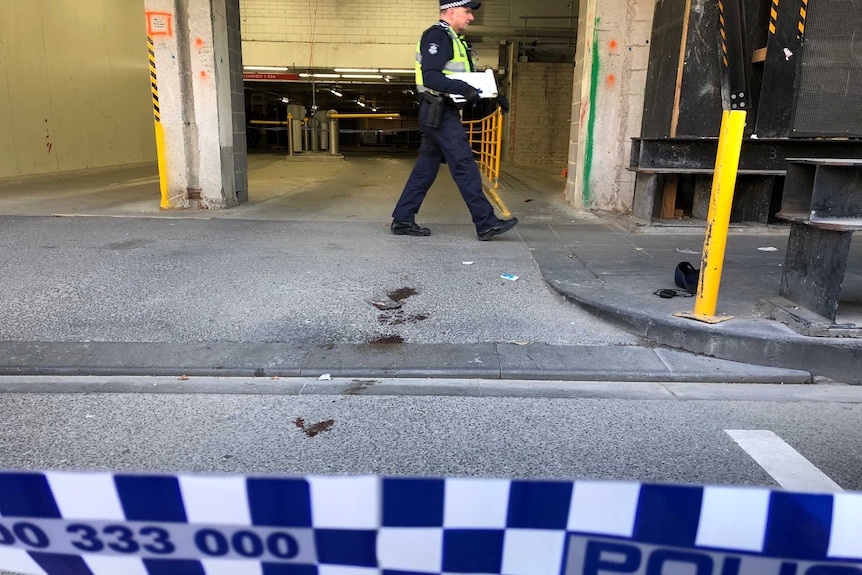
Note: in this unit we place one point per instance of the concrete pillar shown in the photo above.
(199, 66)
(610, 76)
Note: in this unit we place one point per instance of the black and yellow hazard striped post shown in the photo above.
(773, 16)
(726, 166)
(160, 130)
(803, 14)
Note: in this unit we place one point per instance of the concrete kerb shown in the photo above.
(536, 362)
(760, 342)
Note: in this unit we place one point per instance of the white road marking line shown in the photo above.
(789, 469)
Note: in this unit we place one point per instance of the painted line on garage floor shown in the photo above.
(786, 465)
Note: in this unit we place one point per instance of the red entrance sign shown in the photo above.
(269, 77)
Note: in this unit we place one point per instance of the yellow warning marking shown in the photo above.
(773, 16)
(497, 201)
(154, 80)
(723, 33)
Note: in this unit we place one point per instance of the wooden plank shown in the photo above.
(668, 198)
(674, 121)
(758, 55)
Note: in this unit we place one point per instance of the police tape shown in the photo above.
(59, 523)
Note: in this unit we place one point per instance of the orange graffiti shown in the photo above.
(613, 45)
(612, 80)
(199, 43)
(203, 75)
(160, 24)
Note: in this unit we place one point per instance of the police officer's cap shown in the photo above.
(446, 4)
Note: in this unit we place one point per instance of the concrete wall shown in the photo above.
(197, 56)
(366, 33)
(541, 109)
(74, 85)
(613, 48)
(234, 64)
(579, 108)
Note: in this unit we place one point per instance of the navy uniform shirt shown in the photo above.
(437, 50)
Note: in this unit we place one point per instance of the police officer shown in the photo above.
(443, 51)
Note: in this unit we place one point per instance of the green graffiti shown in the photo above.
(591, 125)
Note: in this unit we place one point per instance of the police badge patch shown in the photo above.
(433, 48)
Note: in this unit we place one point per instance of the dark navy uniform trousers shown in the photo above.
(449, 141)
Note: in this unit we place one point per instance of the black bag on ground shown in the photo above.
(686, 277)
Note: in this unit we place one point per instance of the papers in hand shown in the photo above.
(482, 81)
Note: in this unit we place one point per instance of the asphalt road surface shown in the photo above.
(604, 433)
(181, 280)
(804, 438)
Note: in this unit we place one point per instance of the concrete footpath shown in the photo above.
(302, 227)
(613, 272)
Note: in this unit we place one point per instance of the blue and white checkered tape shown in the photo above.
(61, 523)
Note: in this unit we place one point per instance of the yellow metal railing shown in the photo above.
(485, 137)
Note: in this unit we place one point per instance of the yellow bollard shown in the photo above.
(715, 240)
(161, 157)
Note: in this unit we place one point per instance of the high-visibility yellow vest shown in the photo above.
(459, 63)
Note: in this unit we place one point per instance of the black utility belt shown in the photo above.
(435, 98)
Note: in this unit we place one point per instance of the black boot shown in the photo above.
(400, 228)
(502, 227)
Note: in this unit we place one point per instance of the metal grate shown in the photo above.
(829, 92)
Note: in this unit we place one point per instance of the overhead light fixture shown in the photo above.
(285, 100)
(266, 68)
(358, 70)
(319, 75)
(397, 71)
(363, 76)
(336, 92)
(360, 103)
(387, 78)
